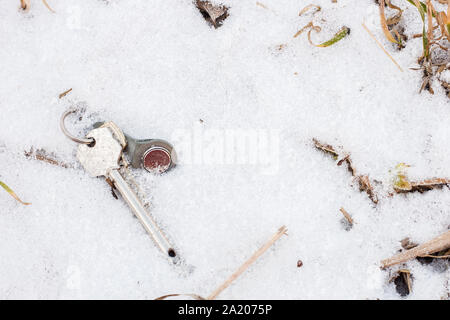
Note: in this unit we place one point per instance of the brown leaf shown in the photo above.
(214, 14)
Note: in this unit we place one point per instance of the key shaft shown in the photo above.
(141, 213)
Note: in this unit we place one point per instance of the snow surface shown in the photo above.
(156, 68)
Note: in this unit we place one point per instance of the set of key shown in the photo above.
(101, 154)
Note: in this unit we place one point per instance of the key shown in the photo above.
(154, 155)
(102, 159)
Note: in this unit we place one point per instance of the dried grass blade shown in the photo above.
(281, 231)
(384, 24)
(299, 32)
(12, 193)
(192, 295)
(306, 9)
(48, 7)
(25, 4)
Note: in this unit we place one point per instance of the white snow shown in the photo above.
(156, 68)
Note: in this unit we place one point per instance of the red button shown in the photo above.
(157, 159)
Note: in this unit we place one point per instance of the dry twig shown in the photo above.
(363, 180)
(439, 243)
(347, 216)
(63, 94)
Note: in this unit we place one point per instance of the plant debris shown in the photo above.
(403, 282)
(326, 148)
(347, 220)
(43, 155)
(388, 24)
(365, 185)
(435, 55)
(214, 14)
(341, 34)
(61, 95)
(25, 5)
(281, 231)
(261, 5)
(308, 7)
(437, 244)
(113, 188)
(12, 193)
(407, 244)
(403, 185)
(362, 180)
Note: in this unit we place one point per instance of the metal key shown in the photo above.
(101, 158)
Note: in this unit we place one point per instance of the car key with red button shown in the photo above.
(154, 155)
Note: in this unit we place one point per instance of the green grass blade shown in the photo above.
(341, 34)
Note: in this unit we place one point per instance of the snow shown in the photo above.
(155, 69)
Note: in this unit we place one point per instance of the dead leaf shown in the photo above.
(214, 14)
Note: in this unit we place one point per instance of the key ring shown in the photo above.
(67, 134)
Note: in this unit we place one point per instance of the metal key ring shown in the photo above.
(67, 134)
